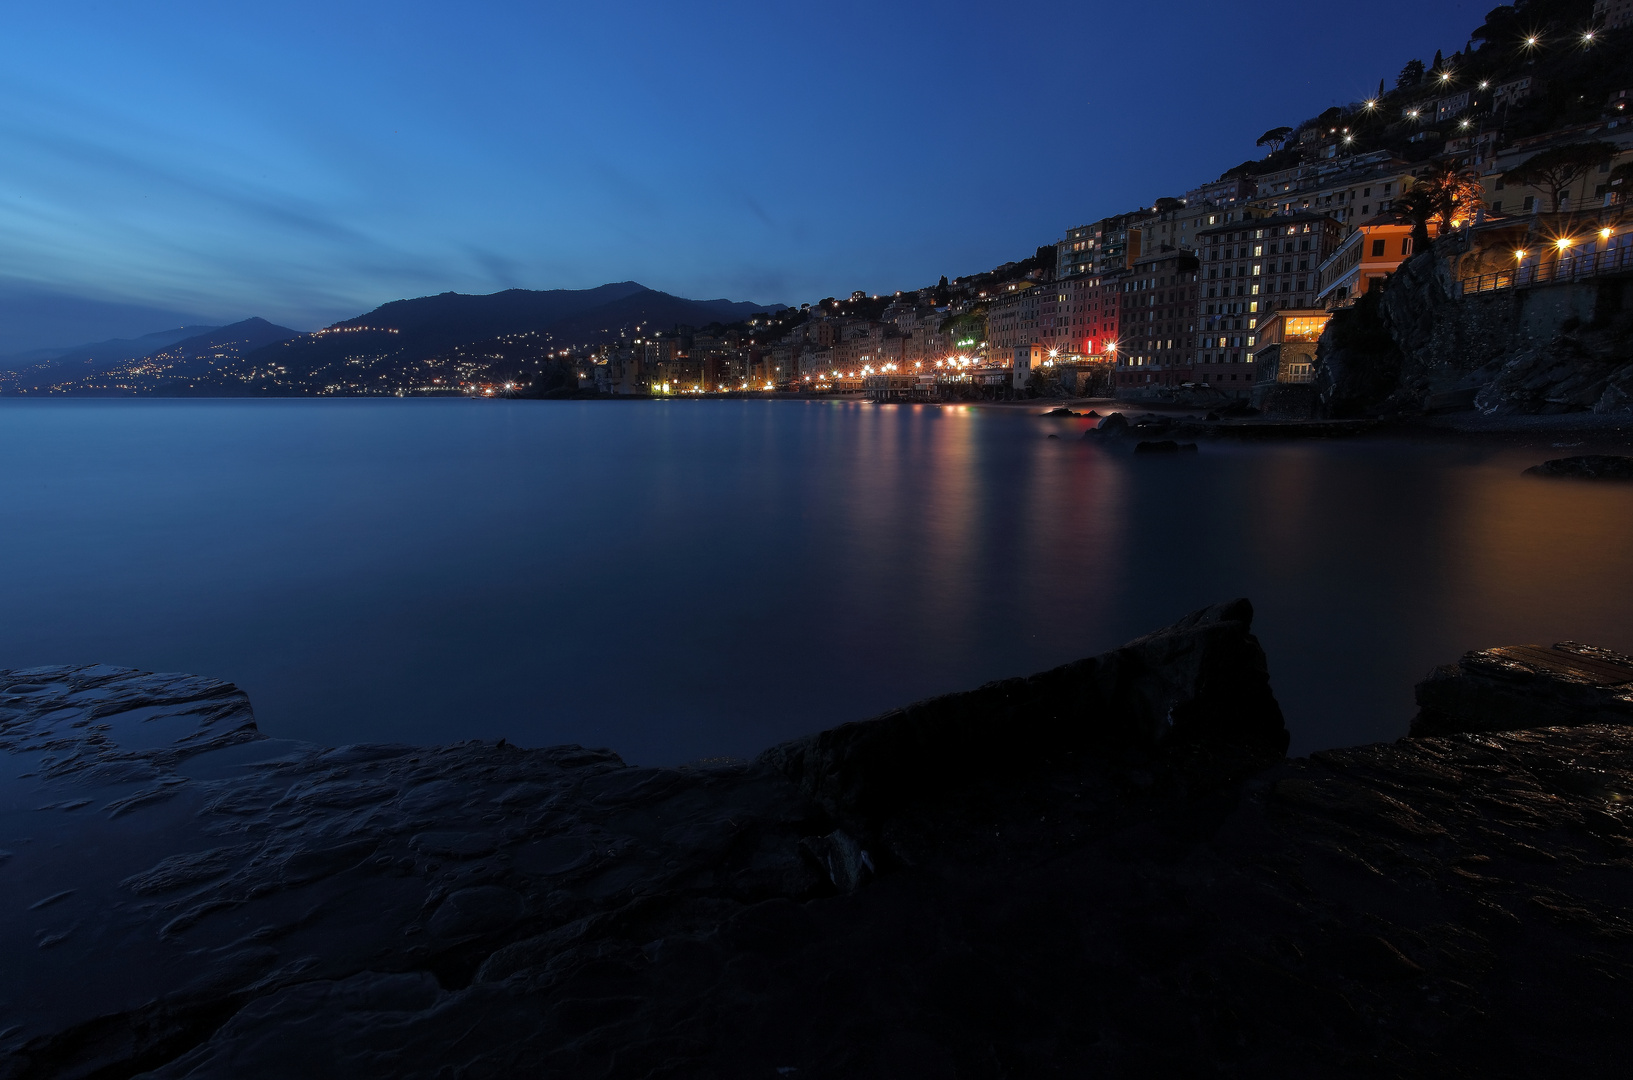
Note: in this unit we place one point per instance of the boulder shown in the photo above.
(1115, 424)
(1526, 686)
(1586, 467)
(1202, 680)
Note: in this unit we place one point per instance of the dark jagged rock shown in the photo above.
(1586, 467)
(1525, 686)
(1115, 424)
(1204, 679)
(1103, 870)
(1062, 411)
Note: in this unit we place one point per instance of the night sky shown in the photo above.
(171, 162)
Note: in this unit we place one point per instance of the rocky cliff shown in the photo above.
(1417, 344)
(1106, 869)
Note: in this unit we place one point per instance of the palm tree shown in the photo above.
(1443, 196)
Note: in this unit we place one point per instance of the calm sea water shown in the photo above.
(687, 579)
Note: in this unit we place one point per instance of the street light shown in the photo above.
(1519, 256)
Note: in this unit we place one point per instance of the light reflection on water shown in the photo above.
(684, 579)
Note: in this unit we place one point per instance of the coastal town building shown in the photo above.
(1590, 189)
(1172, 226)
(1612, 14)
(1012, 319)
(1157, 321)
(1074, 255)
(1369, 254)
(1287, 351)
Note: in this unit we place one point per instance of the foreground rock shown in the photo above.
(1526, 686)
(1586, 467)
(1106, 869)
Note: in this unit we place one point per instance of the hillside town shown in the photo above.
(1512, 155)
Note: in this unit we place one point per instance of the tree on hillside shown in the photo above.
(1554, 170)
(1439, 62)
(1275, 138)
(1501, 26)
(1442, 197)
(1410, 75)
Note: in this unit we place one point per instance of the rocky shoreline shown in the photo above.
(1105, 869)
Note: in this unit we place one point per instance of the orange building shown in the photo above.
(1373, 251)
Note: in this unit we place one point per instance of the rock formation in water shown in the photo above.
(1586, 467)
(1105, 869)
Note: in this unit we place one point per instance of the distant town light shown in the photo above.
(1372, 104)
(1519, 255)
(1604, 234)
(1563, 242)
(1587, 38)
(1531, 41)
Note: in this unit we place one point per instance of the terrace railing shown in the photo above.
(1614, 260)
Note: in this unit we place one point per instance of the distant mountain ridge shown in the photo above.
(40, 366)
(408, 343)
(175, 368)
(429, 342)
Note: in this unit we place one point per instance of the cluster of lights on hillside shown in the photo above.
(326, 331)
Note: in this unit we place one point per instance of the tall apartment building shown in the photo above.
(1172, 226)
(1248, 270)
(1157, 321)
(1012, 318)
(1105, 247)
(1102, 301)
(1348, 195)
(1075, 254)
(1612, 14)
(1120, 242)
(1064, 315)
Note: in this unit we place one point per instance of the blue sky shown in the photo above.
(169, 162)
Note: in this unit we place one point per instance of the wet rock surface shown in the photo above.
(1107, 869)
(1526, 686)
(1586, 467)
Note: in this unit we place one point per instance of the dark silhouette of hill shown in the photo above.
(201, 360)
(412, 330)
(429, 343)
(405, 343)
(222, 343)
(39, 367)
(648, 310)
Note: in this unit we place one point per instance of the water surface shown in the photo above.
(687, 579)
